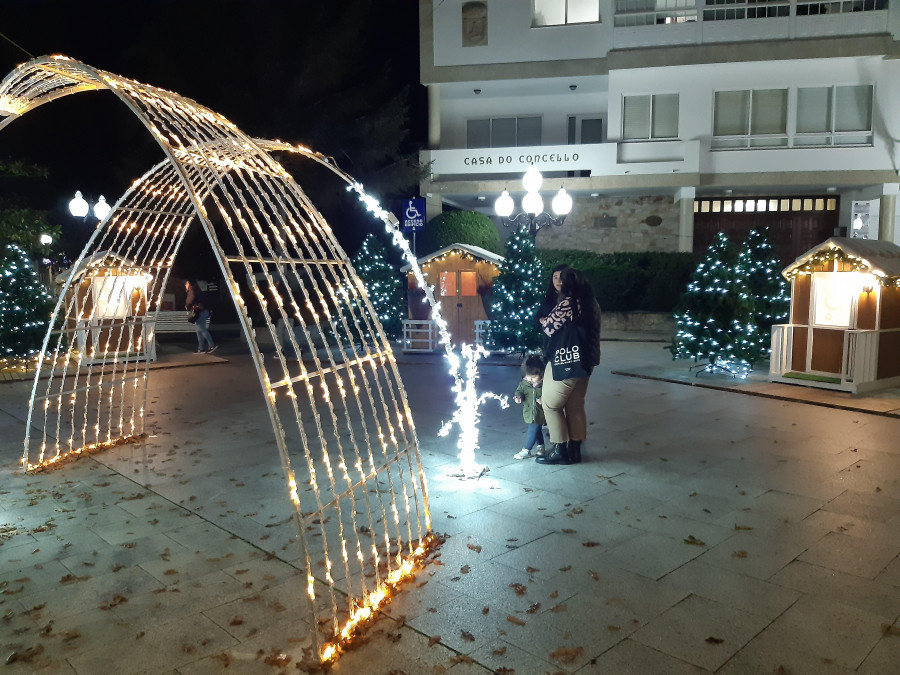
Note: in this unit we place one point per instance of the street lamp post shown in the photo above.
(79, 207)
(533, 215)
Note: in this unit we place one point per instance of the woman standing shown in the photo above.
(196, 300)
(563, 400)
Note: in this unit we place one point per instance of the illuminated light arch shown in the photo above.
(341, 416)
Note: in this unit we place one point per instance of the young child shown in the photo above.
(528, 393)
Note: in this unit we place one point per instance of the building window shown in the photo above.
(503, 132)
(731, 10)
(813, 7)
(754, 118)
(650, 117)
(561, 12)
(654, 12)
(829, 116)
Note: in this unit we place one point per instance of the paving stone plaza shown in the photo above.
(722, 528)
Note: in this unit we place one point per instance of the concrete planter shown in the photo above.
(639, 322)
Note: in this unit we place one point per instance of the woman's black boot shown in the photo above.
(574, 452)
(559, 454)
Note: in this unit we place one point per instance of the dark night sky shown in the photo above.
(292, 69)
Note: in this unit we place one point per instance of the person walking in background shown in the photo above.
(198, 303)
(528, 393)
(577, 315)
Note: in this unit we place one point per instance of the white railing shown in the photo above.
(419, 335)
(859, 357)
(651, 24)
(481, 329)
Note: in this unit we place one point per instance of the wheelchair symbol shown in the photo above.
(412, 213)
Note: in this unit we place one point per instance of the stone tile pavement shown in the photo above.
(706, 531)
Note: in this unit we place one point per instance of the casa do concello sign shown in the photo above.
(517, 160)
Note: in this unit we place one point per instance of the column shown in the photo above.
(434, 116)
(685, 199)
(887, 211)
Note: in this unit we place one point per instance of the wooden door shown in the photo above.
(461, 303)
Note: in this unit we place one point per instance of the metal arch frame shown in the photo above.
(269, 215)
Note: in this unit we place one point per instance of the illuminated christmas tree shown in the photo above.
(25, 305)
(383, 285)
(767, 288)
(714, 318)
(517, 294)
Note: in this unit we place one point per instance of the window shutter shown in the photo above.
(636, 117)
(665, 116)
(478, 134)
(528, 131)
(769, 111)
(814, 110)
(732, 113)
(853, 108)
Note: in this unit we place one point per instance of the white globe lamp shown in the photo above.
(101, 208)
(532, 179)
(78, 207)
(562, 203)
(532, 203)
(504, 205)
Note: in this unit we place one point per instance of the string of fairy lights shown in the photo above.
(343, 411)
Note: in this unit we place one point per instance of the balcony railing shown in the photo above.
(645, 23)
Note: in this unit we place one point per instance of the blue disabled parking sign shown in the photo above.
(413, 214)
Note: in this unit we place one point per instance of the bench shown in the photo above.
(173, 322)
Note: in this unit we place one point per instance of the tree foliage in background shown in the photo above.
(25, 305)
(767, 289)
(714, 319)
(517, 294)
(648, 281)
(383, 285)
(459, 227)
(19, 223)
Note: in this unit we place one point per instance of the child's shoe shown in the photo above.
(539, 451)
(524, 453)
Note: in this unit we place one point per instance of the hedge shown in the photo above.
(646, 281)
(459, 227)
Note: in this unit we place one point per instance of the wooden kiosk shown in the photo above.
(845, 318)
(463, 278)
(110, 319)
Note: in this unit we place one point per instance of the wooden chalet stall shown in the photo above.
(463, 277)
(110, 306)
(845, 318)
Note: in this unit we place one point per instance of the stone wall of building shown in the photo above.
(609, 224)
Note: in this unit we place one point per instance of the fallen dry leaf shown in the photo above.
(474, 547)
(467, 636)
(499, 652)
(465, 569)
(887, 629)
(519, 588)
(590, 544)
(714, 640)
(693, 541)
(740, 554)
(535, 606)
(514, 619)
(485, 609)
(433, 640)
(567, 654)
(742, 527)
(556, 609)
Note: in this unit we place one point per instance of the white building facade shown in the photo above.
(669, 120)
